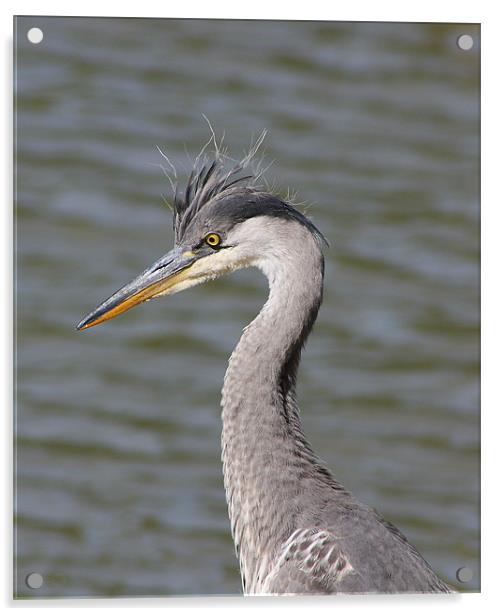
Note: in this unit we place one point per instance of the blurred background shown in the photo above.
(376, 128)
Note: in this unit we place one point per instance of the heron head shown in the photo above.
(221, 224)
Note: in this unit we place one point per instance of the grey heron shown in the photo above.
(296, 528)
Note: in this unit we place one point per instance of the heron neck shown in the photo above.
(264, 450)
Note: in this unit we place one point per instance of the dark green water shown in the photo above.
(375, 126)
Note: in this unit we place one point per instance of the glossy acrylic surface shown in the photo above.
(376, 127)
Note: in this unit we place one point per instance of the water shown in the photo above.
(118, 486)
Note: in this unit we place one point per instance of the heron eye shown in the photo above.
(213, 240)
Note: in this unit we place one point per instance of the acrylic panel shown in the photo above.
(373, 134)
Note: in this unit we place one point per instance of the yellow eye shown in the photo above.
(213, 239)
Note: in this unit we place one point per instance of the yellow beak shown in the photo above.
(159, 279)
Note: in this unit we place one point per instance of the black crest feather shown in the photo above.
(205, 183)
(216, 178)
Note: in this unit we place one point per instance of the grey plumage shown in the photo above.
(226, 199)
(296, 528)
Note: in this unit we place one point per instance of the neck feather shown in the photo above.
(264, 450)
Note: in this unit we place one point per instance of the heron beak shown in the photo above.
(164, 277)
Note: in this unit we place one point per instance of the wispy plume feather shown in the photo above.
(216, 175)
(211, 177)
